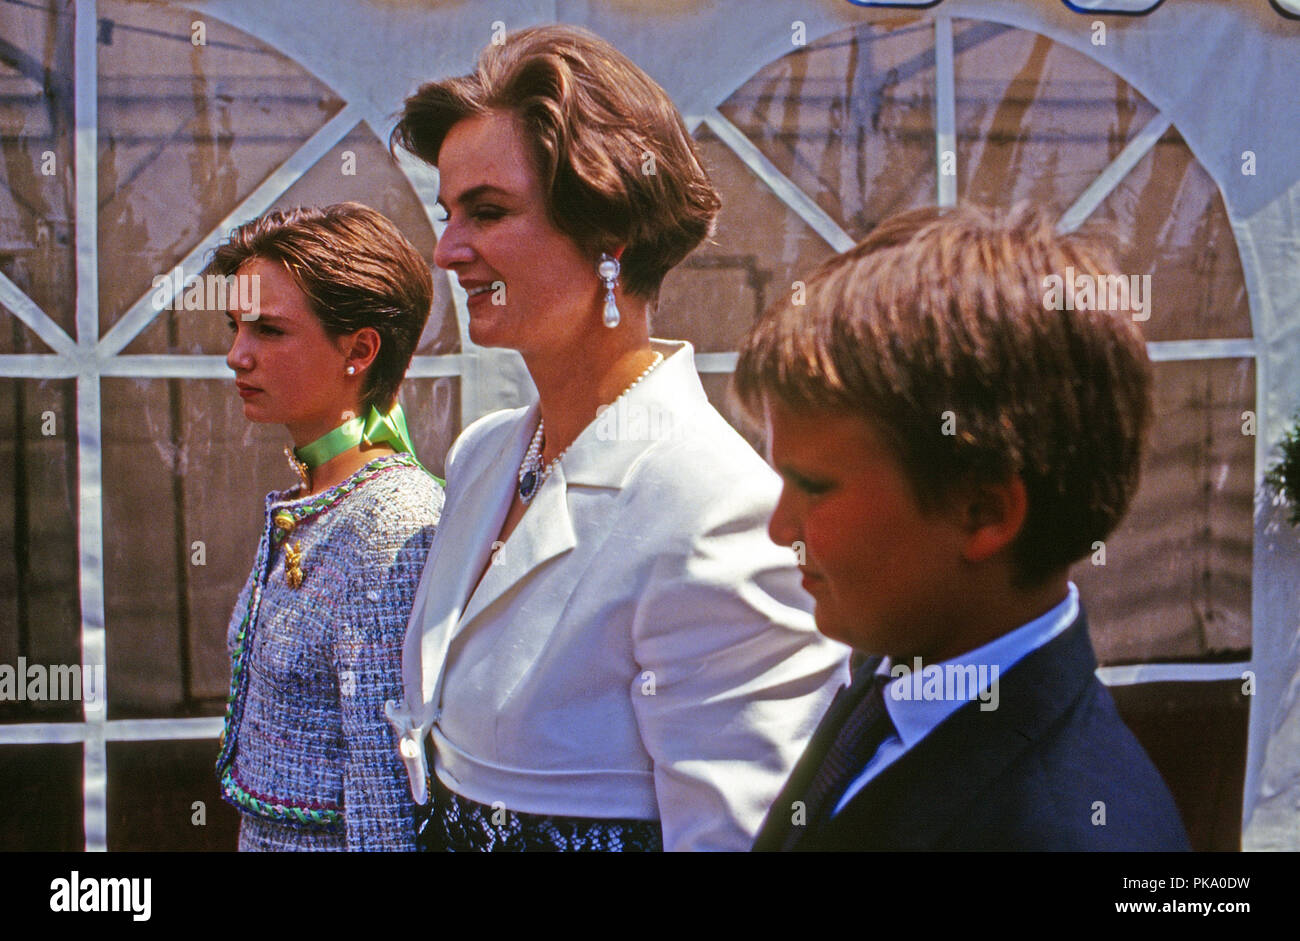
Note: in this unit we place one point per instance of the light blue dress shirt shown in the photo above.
(915, 709)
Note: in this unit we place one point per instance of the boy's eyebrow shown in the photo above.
(785, 470)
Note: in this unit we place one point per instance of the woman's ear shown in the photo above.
(993, 514)
(360, 348)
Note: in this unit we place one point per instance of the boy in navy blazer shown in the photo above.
(952, 434)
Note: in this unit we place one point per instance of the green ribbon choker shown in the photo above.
(375, 429)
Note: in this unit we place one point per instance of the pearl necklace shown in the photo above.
(531, 473)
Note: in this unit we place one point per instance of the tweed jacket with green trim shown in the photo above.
(307, 755)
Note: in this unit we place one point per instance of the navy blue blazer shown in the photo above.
(1027, 775)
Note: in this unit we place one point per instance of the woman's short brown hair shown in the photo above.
(937, 329)
(615, 162)
(356, 269)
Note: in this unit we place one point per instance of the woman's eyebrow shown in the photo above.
(474, 192)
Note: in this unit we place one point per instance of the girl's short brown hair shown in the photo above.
(612, 153)
(937, 329)
(356, 269)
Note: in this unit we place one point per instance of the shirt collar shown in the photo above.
(918, 703)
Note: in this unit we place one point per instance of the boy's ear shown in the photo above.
(993, 513)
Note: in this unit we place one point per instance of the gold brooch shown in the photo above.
(284, 524)
(293, 564)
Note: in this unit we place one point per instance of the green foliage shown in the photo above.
(1284, 476)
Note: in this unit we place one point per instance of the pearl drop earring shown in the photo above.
(608, 270)
(351, 370)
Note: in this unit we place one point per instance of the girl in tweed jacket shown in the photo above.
(328, 305)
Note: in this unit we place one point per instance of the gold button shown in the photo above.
(284, 521)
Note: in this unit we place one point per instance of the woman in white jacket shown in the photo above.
(606, 649)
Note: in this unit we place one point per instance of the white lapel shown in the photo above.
(543, 532)
(476, 506)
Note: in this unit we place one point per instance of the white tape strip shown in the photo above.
(945, 111)
(1171, 673)
(90, 469)
(1164, 351)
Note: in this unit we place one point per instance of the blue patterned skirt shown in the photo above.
(458, 825)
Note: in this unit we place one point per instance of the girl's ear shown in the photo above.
(360, 348)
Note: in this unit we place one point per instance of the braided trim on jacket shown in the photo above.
(324, 816)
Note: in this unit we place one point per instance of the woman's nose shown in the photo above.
(453, 248)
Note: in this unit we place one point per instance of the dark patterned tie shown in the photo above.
(867, 725)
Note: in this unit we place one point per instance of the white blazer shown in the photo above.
(638, 647)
